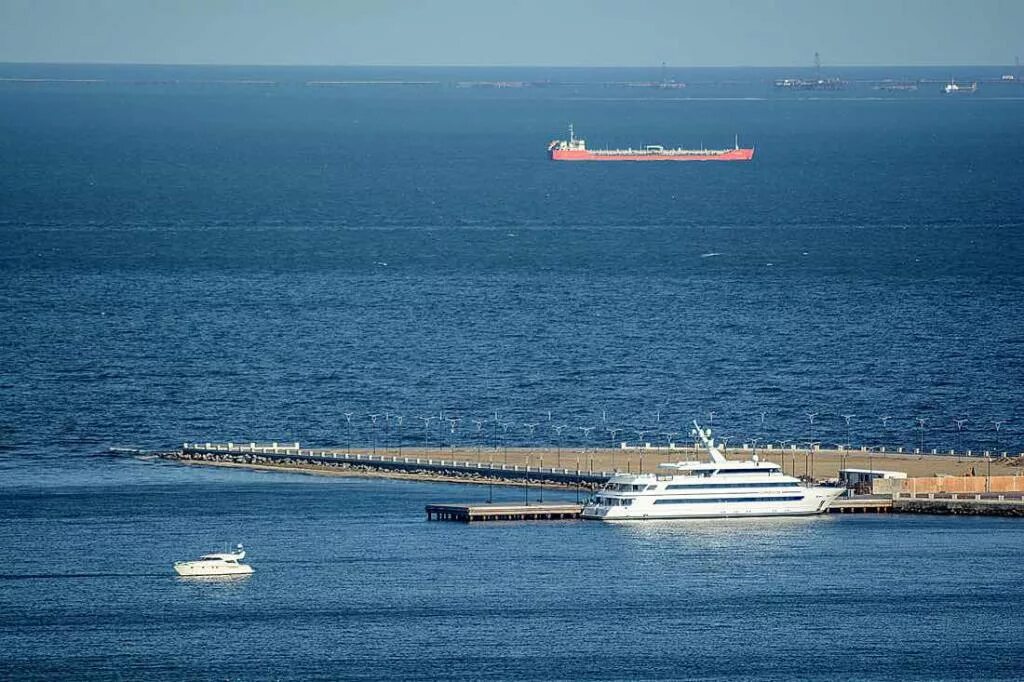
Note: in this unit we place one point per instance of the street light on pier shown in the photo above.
(920, 426)
(586, 434)
(479, 427)
(959, 423)
(505, 426)
(640, 447)
(810, 450)
(997, 424)
(426, 437)
(611, 433)
(885, 425)
(848, 418)
(558, 431)
(399, 419)
(348, 418)
(373, 419)
(454, 424)
(529, 448)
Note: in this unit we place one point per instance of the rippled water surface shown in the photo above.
(187, 258)
(352, 582)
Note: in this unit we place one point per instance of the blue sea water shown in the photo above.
(187, 256)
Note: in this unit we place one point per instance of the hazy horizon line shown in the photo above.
(515, 66)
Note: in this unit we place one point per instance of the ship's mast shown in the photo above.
(572, 135)
(709, 443)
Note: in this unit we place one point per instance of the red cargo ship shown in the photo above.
(575, 149)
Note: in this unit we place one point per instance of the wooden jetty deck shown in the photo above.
(468, 513)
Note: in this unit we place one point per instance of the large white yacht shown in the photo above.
(221, 563)
(714, 489)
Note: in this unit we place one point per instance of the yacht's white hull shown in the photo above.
(196, 568)
(646, 507)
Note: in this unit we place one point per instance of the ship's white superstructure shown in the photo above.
(221, 563)
(714, 489)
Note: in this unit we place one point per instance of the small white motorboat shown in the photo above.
(221, 563)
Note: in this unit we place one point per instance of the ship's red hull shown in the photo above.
(587, 155)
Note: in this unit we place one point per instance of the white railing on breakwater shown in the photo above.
(295, 450)
(281, 448)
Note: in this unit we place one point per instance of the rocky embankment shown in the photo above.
(450, 472)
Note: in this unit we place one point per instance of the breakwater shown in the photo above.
(449, 469)
(342, 462)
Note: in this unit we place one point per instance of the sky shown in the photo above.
(679, 33)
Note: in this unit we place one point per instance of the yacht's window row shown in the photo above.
(712, 500)
(627, 487)
(615, 501)
(702, 486)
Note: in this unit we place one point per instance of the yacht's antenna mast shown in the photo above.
(709, 442)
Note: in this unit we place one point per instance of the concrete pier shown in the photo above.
(282, 453)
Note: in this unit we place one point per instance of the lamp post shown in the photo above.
(558, 431)
(640, 447)
(920, 426)
(426, 441)
(398, 421)
(959, 423)
(611, 433)
(454, 425)
(526, 487)
(348, 418)
(997, 424)
(505, 426)
(530, 447)
(373, 419)
(586, 434)
(577, 479)
(848, 418)
(479, 427)
(540, 484)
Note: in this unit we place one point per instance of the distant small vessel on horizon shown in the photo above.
(953, 88)
(575, 149)
(220, 563)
